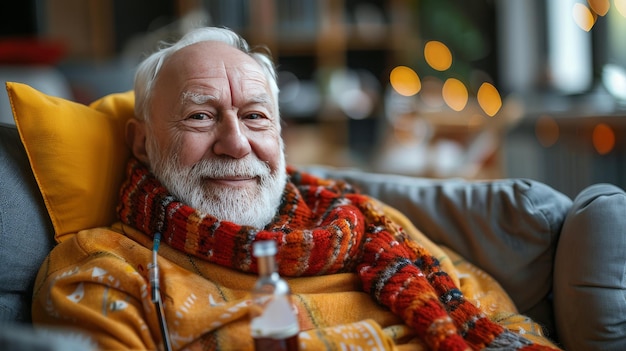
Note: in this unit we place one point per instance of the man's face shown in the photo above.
(213, 138)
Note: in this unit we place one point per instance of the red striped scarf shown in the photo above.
(325, 227)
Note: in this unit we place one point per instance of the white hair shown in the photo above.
(148, 70)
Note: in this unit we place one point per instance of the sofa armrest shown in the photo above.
(590, 271)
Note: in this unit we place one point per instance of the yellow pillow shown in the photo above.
(77, 153)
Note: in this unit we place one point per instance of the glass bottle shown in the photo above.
(274, 324)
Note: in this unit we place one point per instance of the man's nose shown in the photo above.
(231, 138)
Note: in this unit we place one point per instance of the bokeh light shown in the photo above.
(405, 81)
(437, 55)
(603, 138)
(600, 7)
(547, 131)
(489, 99)
(583, 17)
(620, 5)
(455, 94)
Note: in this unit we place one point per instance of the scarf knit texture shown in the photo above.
(325, 227)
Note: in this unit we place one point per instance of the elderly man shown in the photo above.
(208, 178)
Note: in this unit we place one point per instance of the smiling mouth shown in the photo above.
(232, 181)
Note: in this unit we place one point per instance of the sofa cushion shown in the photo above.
(25, 228)
(77, 154)
(590, 271)
(509, 227)
(16, 337)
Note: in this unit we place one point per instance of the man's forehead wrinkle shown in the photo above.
(249, 70)
(255, 83)
(232, 80)
(235, 77)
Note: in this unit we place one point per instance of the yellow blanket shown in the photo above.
(97, 281)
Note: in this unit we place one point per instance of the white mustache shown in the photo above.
(224, 168)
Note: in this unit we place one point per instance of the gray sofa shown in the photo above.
(560, 259)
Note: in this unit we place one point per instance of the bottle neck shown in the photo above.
(266, 265)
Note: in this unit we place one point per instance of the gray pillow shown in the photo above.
(508, 227)
(590, 271)
(26, 234)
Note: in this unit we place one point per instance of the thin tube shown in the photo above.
(155, 293)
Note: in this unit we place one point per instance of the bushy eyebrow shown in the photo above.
(260, 99)
(197, 98)
(200, 99)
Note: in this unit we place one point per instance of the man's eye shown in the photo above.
(199, 116)
(254, 116)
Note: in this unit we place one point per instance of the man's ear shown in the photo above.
(136, 139)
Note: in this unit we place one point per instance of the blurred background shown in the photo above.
(478, 89)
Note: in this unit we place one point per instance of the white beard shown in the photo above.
(251, 206)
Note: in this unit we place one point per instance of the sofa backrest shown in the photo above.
(26, 233)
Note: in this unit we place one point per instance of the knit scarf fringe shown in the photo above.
(326, 227)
